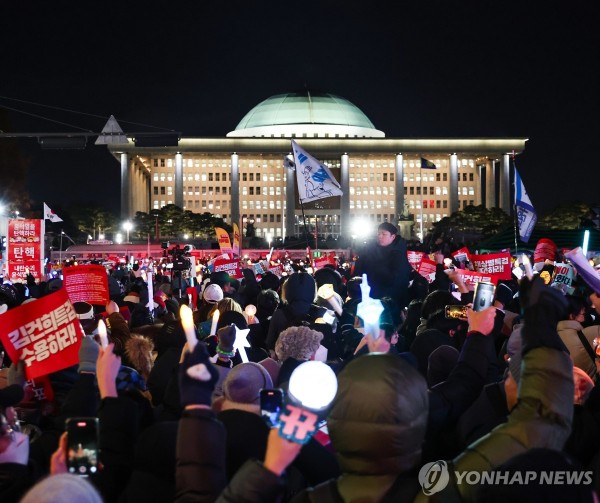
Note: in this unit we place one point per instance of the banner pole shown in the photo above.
(515, 222)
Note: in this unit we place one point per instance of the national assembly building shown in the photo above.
(243, 177)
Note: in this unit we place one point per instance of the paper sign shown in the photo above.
(232, 267)
(45, 334)
(426, 268)
(470, 278)
(414, 258)
(584, 269)
(86, 283)
(493, 263)
(461, 255)
(17, 271)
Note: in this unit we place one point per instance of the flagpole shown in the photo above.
(421, 191)
(515, 222)
(304, 221)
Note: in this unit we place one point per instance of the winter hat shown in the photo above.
(158, 299)
(222, 278)
(300, 286)
(513, 349)
(232, 317)
(545, 250)
(63, 488)
(226, 336)
(386, 226)
(54, 284)
(133, 297)
(129, 379)
(11, 395)
(212, 294)
(441, 362)
(504, 294)
(244, 382)
(8, 295)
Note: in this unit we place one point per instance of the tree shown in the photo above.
(474, 220)
(566, 216)
(92, 219)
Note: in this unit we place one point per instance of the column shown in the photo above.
(148, 198)
(505, 184)
(399, 186)
(453, 189)
(235, 189)
(345, 223)
(126, 195)
(178, 180)
(290, 201)
(490, 184)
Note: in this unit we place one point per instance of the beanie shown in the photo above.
(244, 382)
(63, 488)
(226, 336)
(504, 294)
(386, 226)
(545, 250)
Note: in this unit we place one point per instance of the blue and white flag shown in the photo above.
(427, 164)
(526, 215)
(315, 181)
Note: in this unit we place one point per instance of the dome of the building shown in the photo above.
(306, 114)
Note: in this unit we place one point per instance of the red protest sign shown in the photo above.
(461, 255)
(45, 334)
(493, 263)
(232, 267)
(277, 270)
(194, 293)
(415, 257)
(470, 278)
(17, 271)
(426, 268)
(86, 283)
(25, 240)
(319, 263)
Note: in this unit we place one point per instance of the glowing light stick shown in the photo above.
(190, 300)
(150, 304)
(586, 242)
(187, 321)
(241, 342)
(328, 293)
(215, 320)
(527, 265)
(250, 311)
(102, 334)
(369, 309)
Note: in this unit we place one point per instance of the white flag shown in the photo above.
(526, 215)
(315, 181)
(50, 215)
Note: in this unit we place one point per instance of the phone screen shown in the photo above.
(456, 312)
(271, 401)
(82, 445)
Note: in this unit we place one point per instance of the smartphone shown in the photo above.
(456, 312)
(484, 295)
(82, 445)
(271, 402)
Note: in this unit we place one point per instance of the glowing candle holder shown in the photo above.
(187, 321)
(369, 309)
(527, 265)
(250, 311)
(215, 320)
(102, 334)
(327, 292)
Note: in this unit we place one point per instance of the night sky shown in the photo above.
(417, 69)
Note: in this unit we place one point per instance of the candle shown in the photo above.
(369, 309)
(527, 265)
(327, 292)
(215, 320)
(250, 312)
(187, 321)
(102, 334)
(150, 293)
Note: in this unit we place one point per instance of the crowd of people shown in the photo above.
(508, 389)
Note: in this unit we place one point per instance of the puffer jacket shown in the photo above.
(567, 330)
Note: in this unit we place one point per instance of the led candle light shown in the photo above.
(215, 320)
(102, 334)
(327, 292)
(527, 265)
(241, 342)
(250, 312)
(150, 304)
(369, 309)
(187, 321)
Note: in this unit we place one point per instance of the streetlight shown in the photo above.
(269, 239)
(127, 226)
(119, 238)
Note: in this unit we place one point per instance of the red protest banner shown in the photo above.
(86, 283)
(319, 263)
(461, 255)
(414, 258)
(17, 270)
(426, 268)
(25, 240)
(45, 334)
(493, 263)
(472, 277)
(232, 267)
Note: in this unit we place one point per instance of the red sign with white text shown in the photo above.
(493, 263)
(231, 267)
(470, 278)
(427, 269)
(45, 334)
(86, 283)
(415, 257)
(18, 270)
(25, 240)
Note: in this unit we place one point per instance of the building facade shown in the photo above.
(242, 177)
